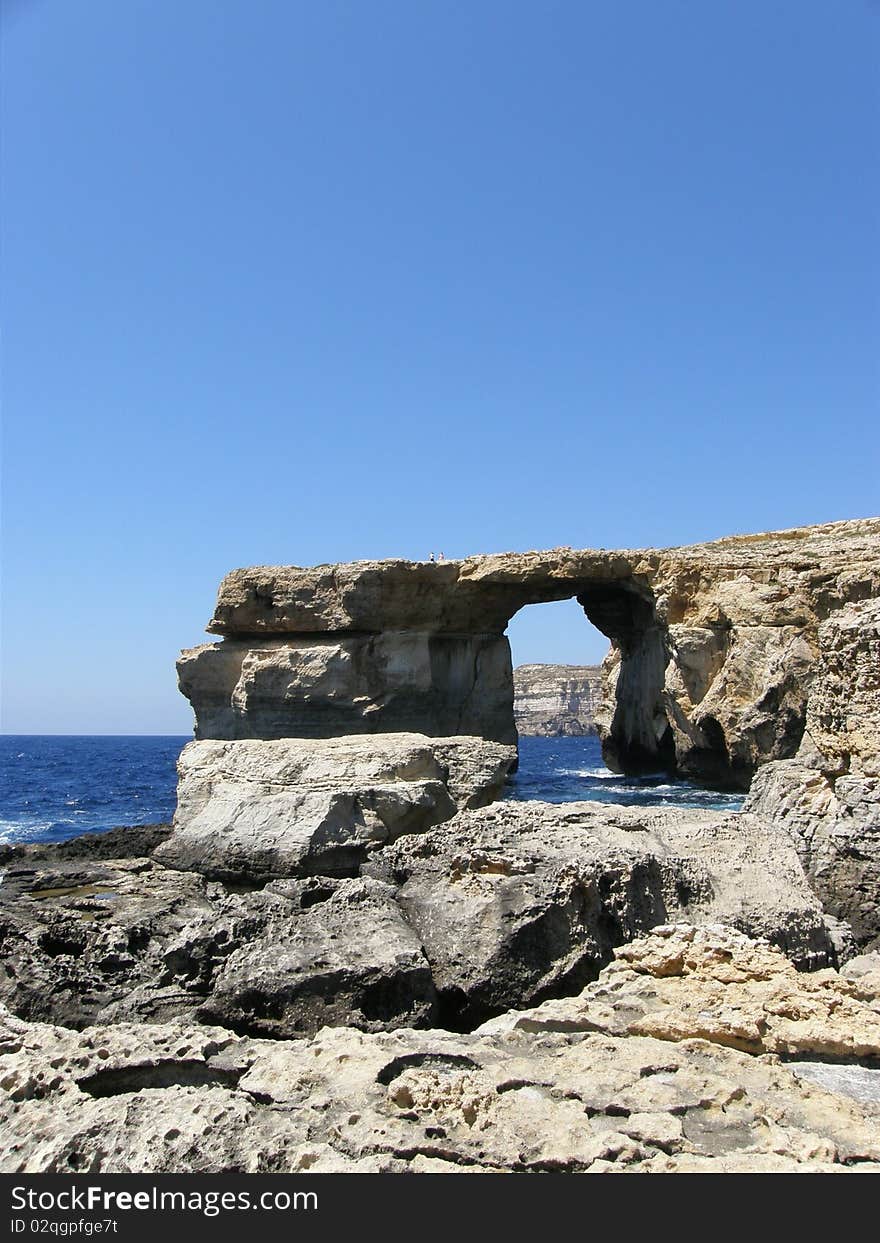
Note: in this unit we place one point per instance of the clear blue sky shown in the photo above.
(293, 282)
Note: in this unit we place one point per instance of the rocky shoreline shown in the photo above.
(500, 907)
(526, 987)
(347, 954)
(695, 1050)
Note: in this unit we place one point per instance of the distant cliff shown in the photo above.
(550, 700)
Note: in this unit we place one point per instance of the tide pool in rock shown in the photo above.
(56, 787)
(570, 770)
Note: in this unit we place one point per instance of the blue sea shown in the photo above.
(56, 787)
(568, 770)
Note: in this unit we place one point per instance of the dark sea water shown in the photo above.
(56, 787)
(567, 770)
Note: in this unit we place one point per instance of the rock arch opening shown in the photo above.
(628, 708)
(557, 655)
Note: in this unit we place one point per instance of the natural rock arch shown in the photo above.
(713, 645)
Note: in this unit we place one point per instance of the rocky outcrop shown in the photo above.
(529, 899)
(530, 1096)
(714, 983)
(652, 988)
(501, 907)
(325, 686)
(556, 700)
(713, 645)
(346, 956)
(127, 939)
(256, 810)
(828, 796)
(260, 987)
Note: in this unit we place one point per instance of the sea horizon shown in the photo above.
(71, 734)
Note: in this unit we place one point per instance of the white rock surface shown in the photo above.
(294, 806)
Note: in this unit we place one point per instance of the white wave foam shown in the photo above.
(603, 774)
(14, 831)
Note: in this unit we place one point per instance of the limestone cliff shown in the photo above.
(828, 796)
(713, 646)
(556, 700)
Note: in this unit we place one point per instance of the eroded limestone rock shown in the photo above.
(128, 940)
(348, 957)
(828, 796)
(179, 1097)
(529, 899)
(500, 907)
(257, 810)
(713, 983)
(326, 686)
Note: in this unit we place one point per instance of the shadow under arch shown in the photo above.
(638, 737)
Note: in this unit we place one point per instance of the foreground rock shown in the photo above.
(348, 956)
(293, 807)
(715, 984)
(528, 900)
(551, 701)
(501, 907)
(828, 797)
(127, 939)
(713, 645)
(184, 1098)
